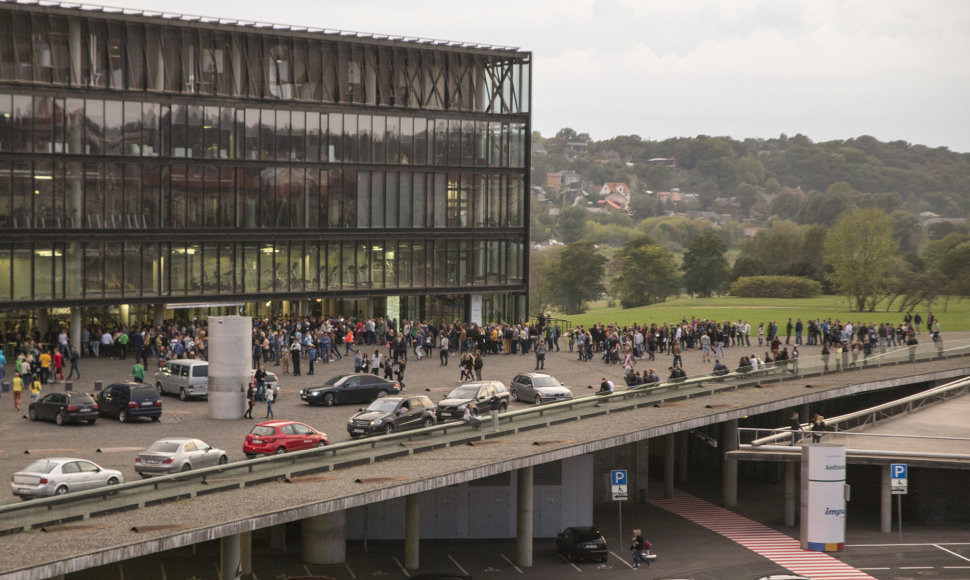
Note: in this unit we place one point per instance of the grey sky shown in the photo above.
(829, 69)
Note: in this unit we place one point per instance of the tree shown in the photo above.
(571, 223)
(576, 276)
(705, 269)
(862, 252)
(644, 273)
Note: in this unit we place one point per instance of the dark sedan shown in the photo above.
(64, 408)
(350, 388)
(582, 543)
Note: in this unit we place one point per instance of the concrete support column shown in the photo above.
(885, 501)
(683, 451)
(642, 475)
(523, 516)
(230, 362)
(230, 562)
(369, 308)
(277, 538)
(412, 532)
(124, 312)
(729, 485)
(324, 538)
(246, 553)
(159, 315)
(43, 323)
(669, 450)
(791, 469)
(75, 332)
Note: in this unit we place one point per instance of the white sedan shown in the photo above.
(60, 475)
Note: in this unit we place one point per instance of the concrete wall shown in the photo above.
(484, 511)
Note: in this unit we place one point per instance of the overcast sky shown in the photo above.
(829, 69)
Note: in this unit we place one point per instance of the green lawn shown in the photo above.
(956, 317)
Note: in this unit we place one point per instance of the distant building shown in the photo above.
(616, 196)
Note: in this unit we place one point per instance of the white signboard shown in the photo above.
(476, 313)
(823, 498)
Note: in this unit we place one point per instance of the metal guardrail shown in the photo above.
(238, 475)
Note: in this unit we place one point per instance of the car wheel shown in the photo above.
(321, 444)
(123, 417)
(538, 399)
(389, 428)
(280, 451)
(155, 418)
(144, 475)
(604, 559)
(223, 460)
(503, 406)
(183, 395)
(186, 467)
(61, 490)
(32, 414)
(113, 481)
(92, 421)
(251, 455)
(59, 418)
(158, 387)
(328, 399)
(428, 421)
(381, 394)
(515, 395)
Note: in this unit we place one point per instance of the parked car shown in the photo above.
(128, 401)
(60, 475)
(582, 543)
(478, 394)
(276, 437)
(64, 408)
(350, 388)
(389, 414)
(177, 454)
(187, 378)
(538, 388)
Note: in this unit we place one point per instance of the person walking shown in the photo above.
(639, 547)
(35, 387)
(259, 381)
(444, 351)
(251, 399)
(796, 428)
(17, 385)
(138, 372)
(270, 396)
(540, 355)
(478, 364)
(58, 367)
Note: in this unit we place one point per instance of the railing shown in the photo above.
(137, 494)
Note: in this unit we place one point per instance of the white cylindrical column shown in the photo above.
(885, 501)
(790, 479)
(75, 333)
(642, 477)
(729, 485)
(231, 565)
(412, 532)
(230, 362)
(669, 450)
(523, 516)
(325, 538)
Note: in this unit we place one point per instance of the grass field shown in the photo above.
(955, 317)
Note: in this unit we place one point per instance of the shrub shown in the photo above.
(775, 287)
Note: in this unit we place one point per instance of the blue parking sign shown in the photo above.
(618, 477)
(898, 471)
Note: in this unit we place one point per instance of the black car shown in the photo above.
(390, 414)
(64, 408)
(350, 388)
(582, 543)
(478, 394)
(128, 401)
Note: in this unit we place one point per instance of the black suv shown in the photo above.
(478, 394)
(128, 401)
(64, 408)
(389, 414)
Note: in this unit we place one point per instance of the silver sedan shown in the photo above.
(177, 454)
(60, 475)
(538, 388)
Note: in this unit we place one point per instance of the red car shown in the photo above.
(275, 437)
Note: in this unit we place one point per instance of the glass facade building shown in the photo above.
(151, 160)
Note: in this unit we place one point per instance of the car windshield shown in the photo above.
(164, 447)
(261, 430)
(545, 382)
(587, 535)
(41, 466)
(383, 405)
(468, 392)
(335, 380)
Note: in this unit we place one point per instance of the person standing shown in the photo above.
(796, 428)
(3, 363)
(376, 362)
(818, 427)
(444, 351)
(259, 380)
(494, 407)
(17, 385)
(57, 370)
(270, 396)
(138, 372)
(295, 353)
(401, 366)
(45, 366)
(540, 355)
(478, 364)
(251, 399)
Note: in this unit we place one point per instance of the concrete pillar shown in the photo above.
(641, 477)
(885, 501)
(43, 323)
(683, 451)
(159, 315)
(75, 333)
(523, 517)
(791, 469)
(669, 449)
(230, 362)
(325, 538)
(246, 553)
(124, 314)
(370, 308)
(729, 486)
(412, 532)
(277, 538)
(230, 562)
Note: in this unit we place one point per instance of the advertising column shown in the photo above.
(823, 498)
(230, 365)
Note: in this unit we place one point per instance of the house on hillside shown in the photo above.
(616, 196)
